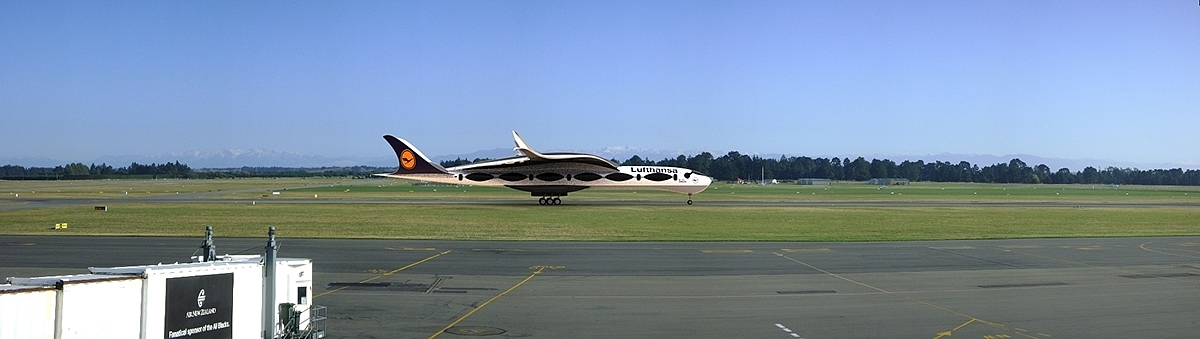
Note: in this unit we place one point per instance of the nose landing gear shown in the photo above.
(689, 198)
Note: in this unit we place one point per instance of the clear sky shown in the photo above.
(1113, 80)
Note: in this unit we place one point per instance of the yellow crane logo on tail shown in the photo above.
(407, 160)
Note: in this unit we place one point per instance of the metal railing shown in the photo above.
(295, 325)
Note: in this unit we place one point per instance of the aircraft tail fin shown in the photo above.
(524, 148)
(411, 160)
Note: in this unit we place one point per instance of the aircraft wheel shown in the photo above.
(557, 201)
(689, 201)
(542, 201)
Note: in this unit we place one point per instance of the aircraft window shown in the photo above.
(619, 176)
(513, 176)
(587, 176)
(480, 176)
(549, 176)
(658, 176)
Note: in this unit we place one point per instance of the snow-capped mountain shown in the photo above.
(259, 157)
(255, 157)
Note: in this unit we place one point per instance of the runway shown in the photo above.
(1034, 288)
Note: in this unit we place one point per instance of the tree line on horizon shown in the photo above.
(176, 170)
(728, 167)
(734, 166)
(101, 171)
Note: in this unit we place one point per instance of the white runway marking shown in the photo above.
(787, 330)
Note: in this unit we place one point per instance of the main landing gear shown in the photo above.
(689, 198)
(549, 201)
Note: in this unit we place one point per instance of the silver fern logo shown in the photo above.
(200, 299)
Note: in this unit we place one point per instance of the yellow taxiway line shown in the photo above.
(386, 273)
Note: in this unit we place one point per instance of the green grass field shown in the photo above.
(229, 210)
(386, 189)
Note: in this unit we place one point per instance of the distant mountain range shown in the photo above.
(1075, 165)
(31, 161)
(621, 153)
(258, 157)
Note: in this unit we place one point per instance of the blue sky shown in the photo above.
(1113, 80)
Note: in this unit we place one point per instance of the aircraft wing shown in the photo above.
(531, 157)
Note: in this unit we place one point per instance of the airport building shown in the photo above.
(814, 181)
(217, 297)
(888, 181)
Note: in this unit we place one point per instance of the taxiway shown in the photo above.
(1030, 288)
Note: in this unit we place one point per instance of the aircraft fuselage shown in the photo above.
(560, 179)
(548, 175)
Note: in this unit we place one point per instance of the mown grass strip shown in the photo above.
(606, 223)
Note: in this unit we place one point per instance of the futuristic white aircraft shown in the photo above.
(546, 175)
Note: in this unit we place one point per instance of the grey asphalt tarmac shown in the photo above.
(1032, 288)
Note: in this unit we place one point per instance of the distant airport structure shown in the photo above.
(814, 181)
(546, 175)
(888, 181)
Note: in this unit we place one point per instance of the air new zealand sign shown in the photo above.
(200, 307)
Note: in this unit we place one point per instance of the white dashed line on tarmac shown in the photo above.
(787, 330)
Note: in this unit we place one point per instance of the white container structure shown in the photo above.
(294, 286)
(27, 311)
(198, 300)
(92, 305)
(215, 299)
